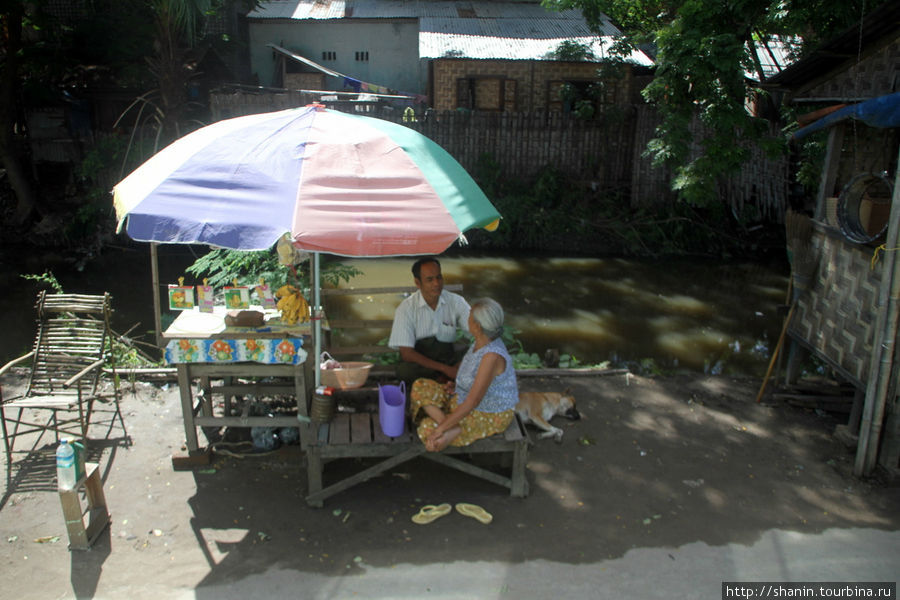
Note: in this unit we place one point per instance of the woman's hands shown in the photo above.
(433, 440)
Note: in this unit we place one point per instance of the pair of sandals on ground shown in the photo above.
(431, 512)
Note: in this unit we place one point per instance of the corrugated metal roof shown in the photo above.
(774, 57)
(483, 30)
(388, 9)
(514, 39)
(540, 27)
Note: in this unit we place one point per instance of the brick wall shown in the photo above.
(529, 85)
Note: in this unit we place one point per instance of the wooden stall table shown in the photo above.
(260, 361)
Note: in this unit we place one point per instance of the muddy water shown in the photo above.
(679, 314)
(720, 317)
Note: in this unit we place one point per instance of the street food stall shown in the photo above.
(325, 181)
(256, 363)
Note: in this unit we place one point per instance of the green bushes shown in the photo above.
(551, 213)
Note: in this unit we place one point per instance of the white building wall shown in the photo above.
(393, 47)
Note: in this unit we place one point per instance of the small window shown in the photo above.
(329, 55)
(362, 56)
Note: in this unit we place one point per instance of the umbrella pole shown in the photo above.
(317, 317)
(154, 279)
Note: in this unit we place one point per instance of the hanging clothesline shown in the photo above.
(349, 82)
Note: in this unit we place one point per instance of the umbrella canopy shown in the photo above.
(338, 183)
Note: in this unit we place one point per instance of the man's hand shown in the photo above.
(450, 371)
(411, 355)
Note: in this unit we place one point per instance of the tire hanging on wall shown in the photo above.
(863, 208)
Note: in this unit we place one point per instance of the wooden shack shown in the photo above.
(847, 315)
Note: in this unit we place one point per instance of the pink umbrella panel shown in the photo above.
(338, 183)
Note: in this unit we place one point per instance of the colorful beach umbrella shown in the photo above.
(338, 183)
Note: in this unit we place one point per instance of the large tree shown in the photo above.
(131, 44)
(13, 22)
(703, 49)
(48, 59)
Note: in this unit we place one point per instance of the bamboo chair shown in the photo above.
(66, 362)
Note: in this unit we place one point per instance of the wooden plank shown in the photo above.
(514, 433)
(373, 450)
(49, 401)
(360, 428)
(495, 443)
(322, 433)
(519, 482)
(340, 430)
(364, 475)
(243, 370)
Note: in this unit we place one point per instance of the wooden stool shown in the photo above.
(81, 538)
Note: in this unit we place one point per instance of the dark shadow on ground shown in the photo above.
(646, 467)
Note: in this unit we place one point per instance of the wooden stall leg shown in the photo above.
(314, 475)
(519, 483)
(187, 408)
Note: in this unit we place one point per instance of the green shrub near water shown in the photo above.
(553, 213)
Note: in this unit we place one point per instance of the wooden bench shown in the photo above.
(359, 435)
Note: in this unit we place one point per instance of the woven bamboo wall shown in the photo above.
(836, 317)
(866, 76)
(522, 143)
(606, 152)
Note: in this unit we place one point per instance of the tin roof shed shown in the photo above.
(479, 30)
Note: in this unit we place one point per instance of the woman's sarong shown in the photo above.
(475, 425)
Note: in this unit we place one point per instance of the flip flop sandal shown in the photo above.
(430, 512)
(474, 511)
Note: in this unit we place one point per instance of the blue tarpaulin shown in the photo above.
(880, 112)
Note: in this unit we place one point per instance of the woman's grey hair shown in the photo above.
(489, 315)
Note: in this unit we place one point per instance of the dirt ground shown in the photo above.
(674, 465)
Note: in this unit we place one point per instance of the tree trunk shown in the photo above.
(10, 152)
(18, 180)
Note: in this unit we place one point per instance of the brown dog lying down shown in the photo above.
(538, 408)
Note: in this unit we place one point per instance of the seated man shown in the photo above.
(425, 325)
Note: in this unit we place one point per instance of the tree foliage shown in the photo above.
(702, 50)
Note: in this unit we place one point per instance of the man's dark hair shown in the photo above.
(417, 266)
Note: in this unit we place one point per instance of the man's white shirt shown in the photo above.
(415, 320)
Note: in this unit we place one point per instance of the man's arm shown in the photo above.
(408, 354)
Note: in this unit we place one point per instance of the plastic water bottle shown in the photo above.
(65, 465)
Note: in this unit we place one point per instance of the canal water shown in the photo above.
(696, 315)
(719, 317)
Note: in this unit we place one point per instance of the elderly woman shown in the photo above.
(482, 400)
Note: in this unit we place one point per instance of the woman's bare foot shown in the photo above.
(436, 444)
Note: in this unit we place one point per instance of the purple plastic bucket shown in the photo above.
(392, 409)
